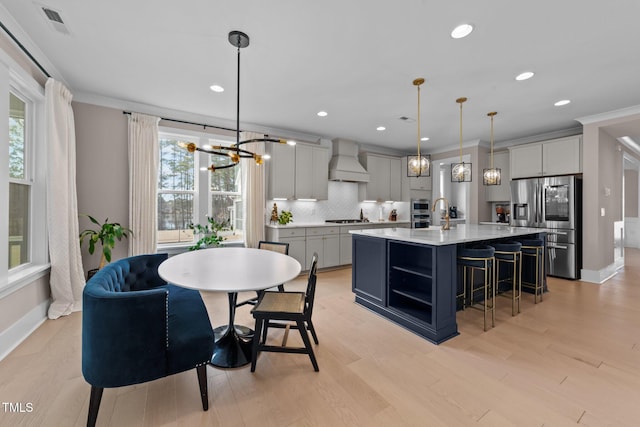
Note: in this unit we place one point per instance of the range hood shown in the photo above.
(344, 165)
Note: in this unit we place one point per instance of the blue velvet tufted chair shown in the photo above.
(138, 328)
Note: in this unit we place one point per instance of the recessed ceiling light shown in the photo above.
(322, 113)
(461, 31)
(524, 76)
(424, 138)
(216, 88)
(380, 128)
(561, 103)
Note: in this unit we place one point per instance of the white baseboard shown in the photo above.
(19, 331)
(598, 276)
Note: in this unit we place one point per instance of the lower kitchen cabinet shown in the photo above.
(325, 241)
(333, 244)
(411, 284)
(297, 249)
(369, 273)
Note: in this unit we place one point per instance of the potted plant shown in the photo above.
(285, 217)
(106, 234)
(210, 233)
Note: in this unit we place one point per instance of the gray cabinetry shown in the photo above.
(299, 172)
(281, 171)
(296, 239)
(326, 242)
(384, 178)
(562, 156)
(311, 172)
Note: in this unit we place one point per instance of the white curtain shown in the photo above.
(253, 183)
(67, 277)
(144, 156)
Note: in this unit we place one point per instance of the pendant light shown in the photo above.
(492, 175)
(461, 172)
(419, 165)
(234, 152)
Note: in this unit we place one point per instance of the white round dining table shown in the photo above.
(230, 270)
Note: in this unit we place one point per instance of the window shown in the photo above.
(188, 192)
(19, 184)
(23, 230)
(176, 190)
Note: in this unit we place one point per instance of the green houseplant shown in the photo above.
(209, 232)
(106, 234)
(285, 217)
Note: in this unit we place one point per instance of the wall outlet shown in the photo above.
(601, 211)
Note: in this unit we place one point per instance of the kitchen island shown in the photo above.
(409, 276)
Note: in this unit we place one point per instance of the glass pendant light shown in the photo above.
(461, 172)
(492, 175)
(419, 165)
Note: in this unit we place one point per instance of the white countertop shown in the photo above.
(333, 224)
(435, 236)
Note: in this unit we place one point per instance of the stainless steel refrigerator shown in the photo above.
(554, 203)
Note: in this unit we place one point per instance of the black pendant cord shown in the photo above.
(24, 49)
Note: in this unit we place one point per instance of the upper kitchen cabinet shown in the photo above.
(312, 173)
(281, 171)
(561, 156)
(502, 192)
(298, 172)
(385, 180)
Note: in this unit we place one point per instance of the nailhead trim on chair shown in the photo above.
(166, 304)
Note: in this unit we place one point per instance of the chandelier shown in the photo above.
(491, 176)
(235, 152)
(461, 172)
(418, 165)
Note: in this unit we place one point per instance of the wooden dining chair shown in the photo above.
(275, 307)
(280, 247)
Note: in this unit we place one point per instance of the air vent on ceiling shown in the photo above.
(55, 19)
(53, 15)
(406, 119)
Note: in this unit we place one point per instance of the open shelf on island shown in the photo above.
(417, 270)
(414, 295)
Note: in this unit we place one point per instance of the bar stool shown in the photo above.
(510, 253)
(470, 260)
(533, 251)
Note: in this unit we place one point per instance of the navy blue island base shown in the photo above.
(410, 276)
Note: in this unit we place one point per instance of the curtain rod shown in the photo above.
(24, 49)
(204, 126)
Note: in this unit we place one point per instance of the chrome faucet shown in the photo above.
(445, 226)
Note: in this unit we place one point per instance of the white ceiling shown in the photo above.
(354, 59)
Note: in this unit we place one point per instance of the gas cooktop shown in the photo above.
(345, 221)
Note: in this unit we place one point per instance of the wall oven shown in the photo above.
(420, 213)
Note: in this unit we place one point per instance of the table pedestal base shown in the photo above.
(232, 347)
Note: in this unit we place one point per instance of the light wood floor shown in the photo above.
(572, 359)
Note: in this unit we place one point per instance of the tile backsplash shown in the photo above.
(342, 204)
